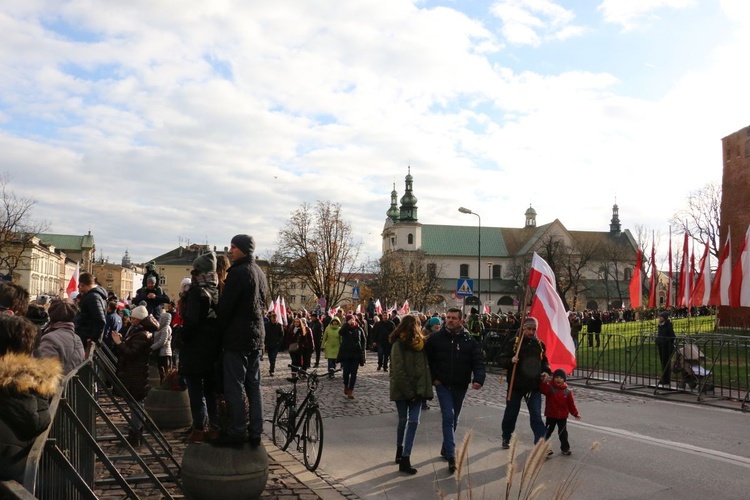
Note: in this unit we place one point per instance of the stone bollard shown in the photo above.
(216, 473)
(169, 409)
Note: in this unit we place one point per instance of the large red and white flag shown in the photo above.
(553, 328)
(404, 308)
(652, 280)
(739, 289)
(277, 309)
(669, 286)
(283, 311)
(486, 309)
(271, 307)
(73, 283)
(378, 307)
(539, 268)
(636, 292)
(683, 288)
(723, 277)
(702, 287)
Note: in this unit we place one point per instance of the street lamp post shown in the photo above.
(479, 249)
(489, 285)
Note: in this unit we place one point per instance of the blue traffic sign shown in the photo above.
(355, 293)
(464, 287)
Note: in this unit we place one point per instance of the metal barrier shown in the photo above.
(61, 462)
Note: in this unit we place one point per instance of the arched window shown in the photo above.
(464, 271)
(410, 239)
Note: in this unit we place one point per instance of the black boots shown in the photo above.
(451, 465)
(399, 451)
(135, 437)
(405, 466)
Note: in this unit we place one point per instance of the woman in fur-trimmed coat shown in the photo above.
(26, 386)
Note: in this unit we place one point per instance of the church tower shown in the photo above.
(408, 201)
(402, 231)
(614, 224)
(530, 217)
(393, 213)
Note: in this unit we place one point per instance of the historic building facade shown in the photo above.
(599, 263)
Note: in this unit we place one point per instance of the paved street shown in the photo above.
(646, 448)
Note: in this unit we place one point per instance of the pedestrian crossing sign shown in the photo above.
(464, 287)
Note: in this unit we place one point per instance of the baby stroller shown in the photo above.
(687, 364)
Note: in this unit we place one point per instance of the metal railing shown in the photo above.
(62, 460)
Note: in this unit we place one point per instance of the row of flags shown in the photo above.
(730, 286)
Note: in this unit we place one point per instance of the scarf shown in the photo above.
(416, 344)
(205, 279)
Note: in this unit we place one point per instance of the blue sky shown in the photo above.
(152, 122)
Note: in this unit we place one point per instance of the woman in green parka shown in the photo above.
(411, 384)
(330, 344)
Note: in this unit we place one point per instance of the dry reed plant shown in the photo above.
(462, 463)
(572, 481)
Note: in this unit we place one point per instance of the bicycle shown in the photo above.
(302, 424)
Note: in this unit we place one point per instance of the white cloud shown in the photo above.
(530, 22)
(631, 14)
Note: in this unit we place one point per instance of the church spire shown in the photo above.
(614, 224)
(408, 207)
(393, 213)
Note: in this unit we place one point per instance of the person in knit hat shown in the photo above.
(241, 309)
(59, 339)
(559, 403)
(153, 295)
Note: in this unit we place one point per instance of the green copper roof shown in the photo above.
(462, 241)
(68, 241)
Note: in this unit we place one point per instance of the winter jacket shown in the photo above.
(559, 402)
(163, 338)
(455, 360)
(201, 343)
(154, 305)
(410, 374)
(91, 318)
(60, 341)
(26, 386)
(381, 331)
(352, 343)
(242, 306)
(306, 342)
(331, 341)
(316, 327)
(532, 362)
(665, 331)
(132, 362)
(274, 336)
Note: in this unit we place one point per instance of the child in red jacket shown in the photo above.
(558, 405)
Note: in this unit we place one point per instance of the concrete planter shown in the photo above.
(216, 473)
(169, 409)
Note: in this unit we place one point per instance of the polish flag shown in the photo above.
(683, 287)
(739, 289)
(652, 281)
(378, 307)
(334, 310)
(395, 307)
(405, 308)
(702, 288)
(283, 311)
(723, 277)
(554, 328)
(539, 268)
(636, 294)
(271, 307)
(73, 283)
(277, 309)
(486, 309)
(669, 288)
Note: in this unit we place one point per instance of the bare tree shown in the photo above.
(17, 228)
(408, 275)
(701, 217)
(317, 246)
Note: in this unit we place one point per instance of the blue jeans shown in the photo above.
(202, 394)
(349, 369)
(512, 407)
(331, 365)
(451, 400)
(408, 420)
(242, 377)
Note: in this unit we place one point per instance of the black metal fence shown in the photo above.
(62, 463)
(709, 366)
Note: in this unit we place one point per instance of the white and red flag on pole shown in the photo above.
(702, 286)
(539, 268)
(271, 307)
(683, 288)
(669, 286)
(636, 293)
(334, 310)
(652, 280)
(73, 283)
(723, 277)
(486, 309)
(553, 328)
(739, 289)
(359, 309)
(378, 307)
(277, 309)
(404, 308)
(283, 311)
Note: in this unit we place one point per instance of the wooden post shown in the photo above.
(519, 340)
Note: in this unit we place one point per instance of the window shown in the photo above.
(162, 280)
(464, 271)
(109, 285)
(432, 270)
(302, 286)
(497, 271)
(410, 239)
(109, 274)
(293, 285)
(303, 299)
(293, 299)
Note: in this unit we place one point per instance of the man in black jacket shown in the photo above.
(241, 309)
(455, 359)
(92, 311)
(532, 368)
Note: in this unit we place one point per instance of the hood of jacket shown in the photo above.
(99, 290)
(164, 320)
(21, 374)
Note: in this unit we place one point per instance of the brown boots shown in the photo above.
(349, 393)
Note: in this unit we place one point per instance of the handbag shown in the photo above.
(294, 347)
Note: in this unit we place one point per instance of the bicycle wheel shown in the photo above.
(312, 439)
(280, 427)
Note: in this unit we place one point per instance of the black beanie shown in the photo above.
(245, 243)
(560, 373)
(205, 263)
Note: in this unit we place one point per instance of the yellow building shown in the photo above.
(36, 266)
(114, 278)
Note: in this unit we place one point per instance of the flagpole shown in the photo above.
(519, 341)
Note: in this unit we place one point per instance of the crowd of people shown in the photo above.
(213, 340)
